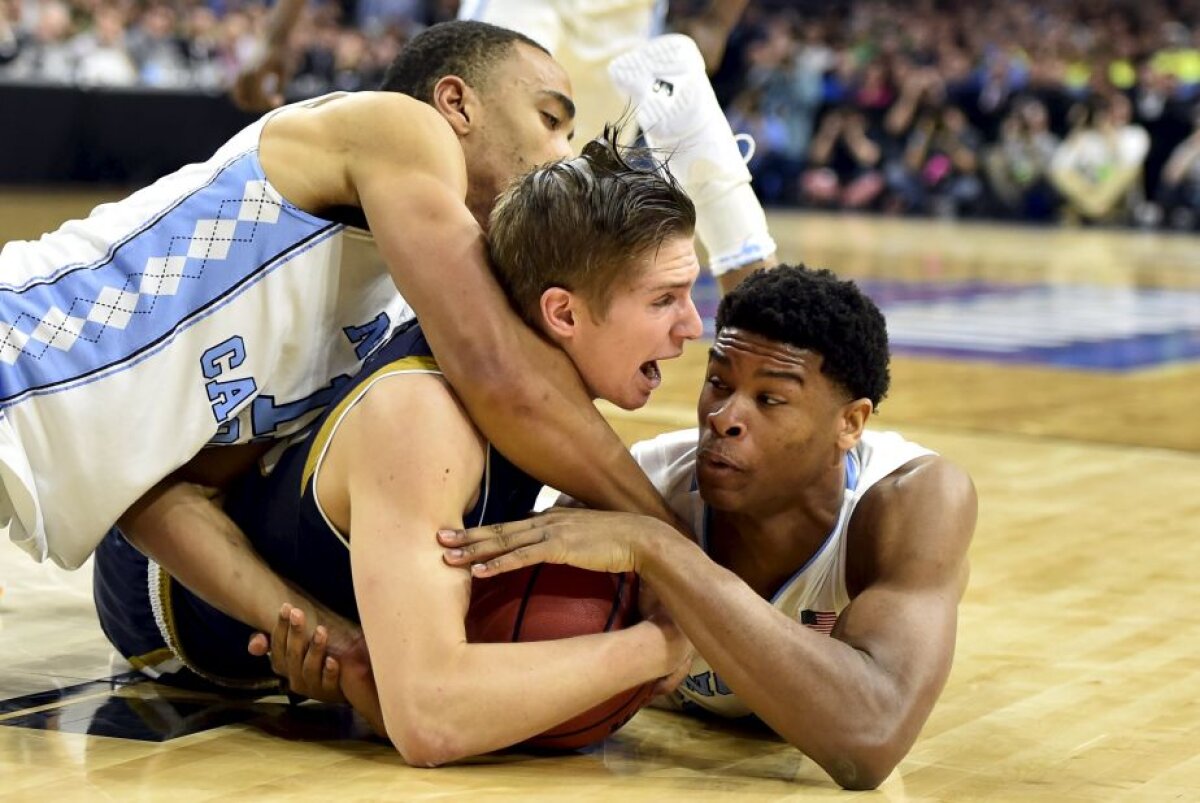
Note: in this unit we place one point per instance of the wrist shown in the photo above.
(652, 547)
(647, 650)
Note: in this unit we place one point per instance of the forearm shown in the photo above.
(866, 152)
(439, 716)
(281, 21)
(1073, 187)
(179, 526)
(575, 450)
(1109, 192)
(825, 697)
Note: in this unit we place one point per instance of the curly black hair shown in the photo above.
(814, 309)
(465, 48)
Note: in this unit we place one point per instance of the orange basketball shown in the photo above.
(549, 601)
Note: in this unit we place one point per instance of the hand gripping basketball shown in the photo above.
(600, 541)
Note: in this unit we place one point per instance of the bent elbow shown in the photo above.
(856, 776)
(426, 746)
(864, 766)
(424, 736)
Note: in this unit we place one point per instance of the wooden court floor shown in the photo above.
(1077, 675)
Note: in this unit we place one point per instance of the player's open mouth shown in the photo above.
(651, 372)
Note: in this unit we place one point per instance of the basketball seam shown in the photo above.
(616, 603)
(533, 576)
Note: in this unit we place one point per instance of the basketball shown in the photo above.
(549, 601)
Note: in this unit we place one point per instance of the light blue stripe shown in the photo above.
(202, 283)
(58, 273)
(137, 358)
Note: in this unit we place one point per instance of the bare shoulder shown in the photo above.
(407, 416)
(404, 430)
(918, 522)
(312, 154)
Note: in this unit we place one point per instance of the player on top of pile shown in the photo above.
(229, 301)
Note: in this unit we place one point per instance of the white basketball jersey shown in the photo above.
(816, 594)
(203, 309)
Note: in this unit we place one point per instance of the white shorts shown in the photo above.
(584, 36)
(20, 512)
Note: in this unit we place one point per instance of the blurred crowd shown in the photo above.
(1078, 109)
(201, 44)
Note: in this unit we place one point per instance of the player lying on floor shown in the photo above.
(808, 526)
(597, 255)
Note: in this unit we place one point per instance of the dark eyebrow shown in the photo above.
(567, 104)
(787, 376)
(717, 356)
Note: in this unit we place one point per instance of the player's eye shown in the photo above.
(552, 121)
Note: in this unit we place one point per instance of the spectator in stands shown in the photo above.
(8, 37)
(43, 55)
(104, 59)
(844, 163)
(202, 48)
(1098, 167)
(1179, 190)
(774, 173)
(158, 50)
(942, 165)
(1018, 166)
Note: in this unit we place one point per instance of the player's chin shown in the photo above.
(722, 488)
(633, 393)
(632, 399)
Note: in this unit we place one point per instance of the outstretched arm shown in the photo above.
(510, 380)
(855, 702)
(435, 706)
(180, 526)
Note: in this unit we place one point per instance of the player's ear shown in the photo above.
(852, 422)
(455, 100)
(558, 313)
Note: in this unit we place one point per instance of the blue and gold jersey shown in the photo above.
(280, 512)
(159, 625)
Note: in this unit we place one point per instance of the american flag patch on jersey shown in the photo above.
(820, 621)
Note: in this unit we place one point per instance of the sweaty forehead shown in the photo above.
(731, 343)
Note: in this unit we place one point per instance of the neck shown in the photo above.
(480, 207)
(766, 546)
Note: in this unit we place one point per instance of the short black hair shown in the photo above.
(814, 309)
(464, 48)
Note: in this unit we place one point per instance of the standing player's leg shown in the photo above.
(679, 114)
(595, 33)
(540, 20)
(584, 37)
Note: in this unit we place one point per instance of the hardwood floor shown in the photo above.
(1077, 675)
